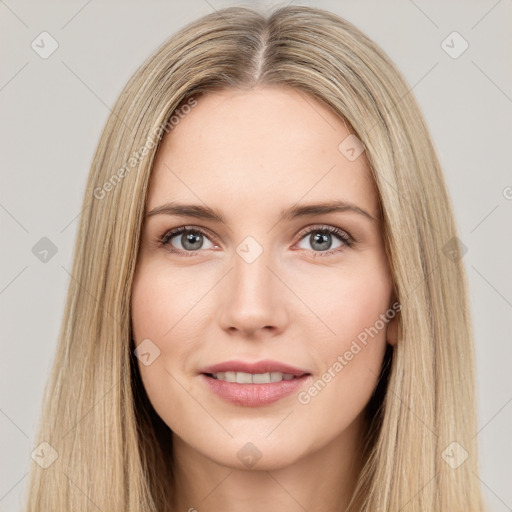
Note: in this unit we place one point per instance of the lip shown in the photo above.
(258, 367)
(254, 395)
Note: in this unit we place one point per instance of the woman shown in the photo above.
(268, 305)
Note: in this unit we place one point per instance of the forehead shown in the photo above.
(244, 150)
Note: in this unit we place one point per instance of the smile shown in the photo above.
(252, 378)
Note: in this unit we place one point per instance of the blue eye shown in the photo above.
(192, 239)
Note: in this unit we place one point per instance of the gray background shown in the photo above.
(54, 109)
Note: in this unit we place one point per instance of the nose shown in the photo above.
(253, 300)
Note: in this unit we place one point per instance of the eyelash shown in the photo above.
(347, 240)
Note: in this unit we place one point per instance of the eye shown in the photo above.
(188, 239)
(320, 239)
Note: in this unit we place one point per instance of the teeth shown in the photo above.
(252, 378)
(243, 378)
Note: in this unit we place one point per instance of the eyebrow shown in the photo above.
(204, 212)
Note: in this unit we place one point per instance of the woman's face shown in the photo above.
(261, 286)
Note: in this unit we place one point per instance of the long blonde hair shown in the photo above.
(113, 451)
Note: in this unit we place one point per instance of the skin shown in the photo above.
(250, 154)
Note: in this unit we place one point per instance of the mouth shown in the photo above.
(252, 378)
(259, 368)
(254, 384)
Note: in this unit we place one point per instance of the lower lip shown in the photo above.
(254, 395)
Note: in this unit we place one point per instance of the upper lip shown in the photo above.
(256, 367)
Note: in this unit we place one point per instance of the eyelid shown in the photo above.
(342, 233)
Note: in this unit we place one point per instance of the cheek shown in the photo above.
(168, 307)
(159, 305)
(348, 301)
(350, 354)
(349, 365)
(160, 301)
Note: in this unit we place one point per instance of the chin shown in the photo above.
(253, 453)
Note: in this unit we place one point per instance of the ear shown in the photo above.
(392, 330)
